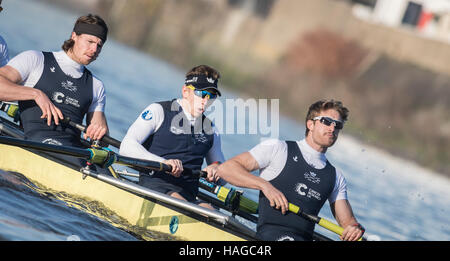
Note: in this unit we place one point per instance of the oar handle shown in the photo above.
(318, 220)
(105, 138)
(331, 226)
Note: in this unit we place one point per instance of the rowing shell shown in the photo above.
(145, 210)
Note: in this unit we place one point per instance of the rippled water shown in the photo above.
(28, 213)
(392, 198)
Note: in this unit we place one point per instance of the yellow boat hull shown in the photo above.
(146, 214)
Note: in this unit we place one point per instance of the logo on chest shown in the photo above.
(311, 176)
(200, 138)
(304, 191)
(59, 97)
(68, 85)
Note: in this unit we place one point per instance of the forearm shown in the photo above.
(132, 148)
(12, 92)
(343, 213)
(9, 88)
(349, 221)
(97, 118)
(236, 174)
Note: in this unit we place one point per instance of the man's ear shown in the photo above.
(73, 35)
(310, 125)
(185, 91)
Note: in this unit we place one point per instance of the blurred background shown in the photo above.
(386, 60)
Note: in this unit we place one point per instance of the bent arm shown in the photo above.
(343, 213)
(214, 158)
(237, 172)
(139, 131)
(10, 90)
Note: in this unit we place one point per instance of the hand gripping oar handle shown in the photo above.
(82, 128)
(318, 220)
(13, 111)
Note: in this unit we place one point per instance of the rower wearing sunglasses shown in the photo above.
(297, 172)
(178, 134)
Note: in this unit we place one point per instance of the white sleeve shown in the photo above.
(4, 56)
(98, 96)
(271, 156)
(215, 153)
(30, 65)
(146, 124)
(340, 188)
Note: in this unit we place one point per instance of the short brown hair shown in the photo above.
(86, 19)
(206, 70)
(322, 105)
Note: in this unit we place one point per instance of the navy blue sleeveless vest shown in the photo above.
(72, 96)
(177, 139)
(303, 186)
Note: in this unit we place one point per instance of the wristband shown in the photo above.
(216, 162)
(360, 227)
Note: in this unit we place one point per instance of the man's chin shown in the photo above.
(329, 142)
(88, 60)
(198, 114)
(332, 141)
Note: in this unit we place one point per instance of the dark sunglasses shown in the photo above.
(202, 93)
(328, 121)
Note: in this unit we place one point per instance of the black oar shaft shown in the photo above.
(97, 156)
(132, 162)
(71, 151)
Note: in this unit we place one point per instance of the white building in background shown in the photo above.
(429, 18)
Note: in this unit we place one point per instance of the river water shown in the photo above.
(394, 199)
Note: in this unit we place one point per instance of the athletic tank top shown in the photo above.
(303, 186)
(72, 96)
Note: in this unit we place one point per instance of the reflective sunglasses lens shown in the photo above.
(204, 94)
(327, 121)
(212, 96)
(198, 93)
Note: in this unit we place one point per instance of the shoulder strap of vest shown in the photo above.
(166, 105)
(48, 57)
(86, 71)
(292, 146)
